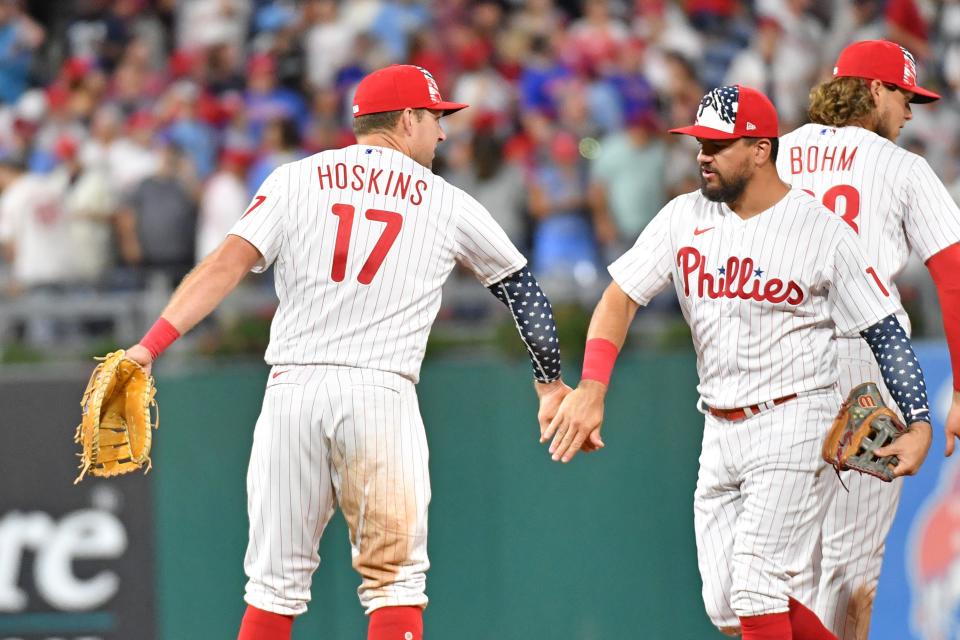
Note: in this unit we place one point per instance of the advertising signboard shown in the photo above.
(76, 561)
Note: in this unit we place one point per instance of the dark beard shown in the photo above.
(726, 192)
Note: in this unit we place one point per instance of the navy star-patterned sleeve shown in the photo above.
(900, 368)
(533, 316)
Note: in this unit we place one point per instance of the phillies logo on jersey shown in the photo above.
(738, 278)
(909, 68)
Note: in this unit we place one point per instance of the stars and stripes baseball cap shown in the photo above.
(884, 61)
(400, 86)
(731, 112)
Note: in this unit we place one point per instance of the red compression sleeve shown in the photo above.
(770, 626)
(599, 356)
(396, 623)
(806, 625)
(264, 625)
(160, 336)
(945, 269)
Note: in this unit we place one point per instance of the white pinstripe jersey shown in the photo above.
(888, 195)
(763, 296)
(363, 239)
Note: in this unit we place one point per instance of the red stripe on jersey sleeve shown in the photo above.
(259, 201)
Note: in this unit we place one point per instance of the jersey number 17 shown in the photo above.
(344, 214)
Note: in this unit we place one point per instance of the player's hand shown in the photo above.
(577, 423)
(911, 448)
(952, 427)
(551, 394)
(139, 353)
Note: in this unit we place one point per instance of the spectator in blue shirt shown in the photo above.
(19, 38)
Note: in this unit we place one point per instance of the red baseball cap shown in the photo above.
(731, 112)
(400, 86)
(885, 61)
(65, 147)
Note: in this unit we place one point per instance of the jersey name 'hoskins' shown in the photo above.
(392, 183)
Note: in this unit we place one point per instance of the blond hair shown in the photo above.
(839, 102)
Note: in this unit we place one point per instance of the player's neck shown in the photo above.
(870, 122)
(386, 140)
(761, 194)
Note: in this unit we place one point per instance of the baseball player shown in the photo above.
(361, 238)
(847, 158)
(765, 275)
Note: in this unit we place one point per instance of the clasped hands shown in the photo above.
(571, 417)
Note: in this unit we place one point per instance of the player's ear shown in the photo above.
(761, 151)
(875, 86)
(406, 121)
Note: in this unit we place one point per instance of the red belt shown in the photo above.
(748, 412)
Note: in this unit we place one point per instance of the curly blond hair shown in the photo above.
(839, 102)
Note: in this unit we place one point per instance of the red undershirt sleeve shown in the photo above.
(944, 267)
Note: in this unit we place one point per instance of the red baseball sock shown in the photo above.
(770, 626)
(806, 625)
(263, 625)
(396, 623)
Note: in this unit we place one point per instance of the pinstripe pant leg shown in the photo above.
(716, 508)
(782, 477)
(856, 525)
(289, 493)
(381, 477)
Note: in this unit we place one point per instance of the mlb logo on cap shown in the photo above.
(400, 86)
(731, 112)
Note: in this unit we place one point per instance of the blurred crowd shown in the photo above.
(134, 132)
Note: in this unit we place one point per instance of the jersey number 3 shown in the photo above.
(344, 214)
(851, 203)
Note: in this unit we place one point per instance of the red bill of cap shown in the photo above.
(885, 61)
(400, 86)
(731, 112)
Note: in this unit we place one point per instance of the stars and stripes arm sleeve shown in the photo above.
(900, 368)
(533, 316)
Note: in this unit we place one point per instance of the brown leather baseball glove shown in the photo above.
(116, 426)
(863, 425)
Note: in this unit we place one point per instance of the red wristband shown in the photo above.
(599, 356)
(161, 335)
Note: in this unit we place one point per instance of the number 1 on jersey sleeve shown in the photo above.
(340, 250)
